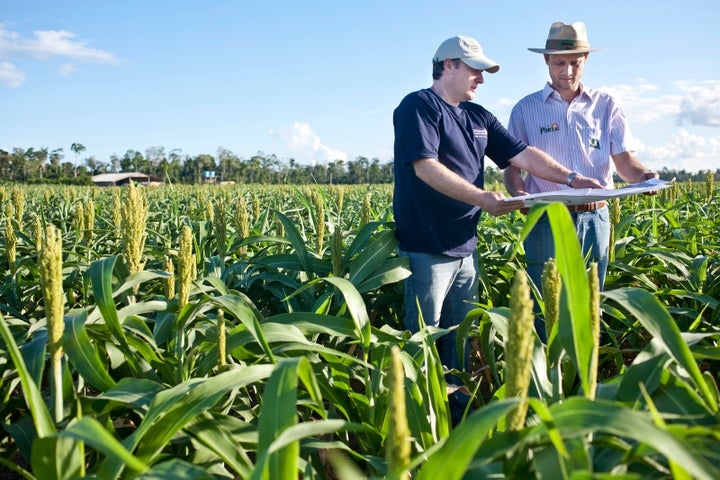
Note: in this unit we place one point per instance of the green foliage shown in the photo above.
(309, 329)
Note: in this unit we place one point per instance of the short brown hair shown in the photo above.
(438, 67)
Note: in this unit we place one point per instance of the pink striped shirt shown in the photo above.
(582, 135)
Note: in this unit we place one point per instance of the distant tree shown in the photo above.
(126, 162)
(336, 172)
(189, 171)
(375, 172)
(92, 164)
(77, 148)
(318, 173)
(288, 172)
(133, 161)
(21, 163)
(115, 163)
(155, 156)
(387, 173)
(102, 167)
(5, 165)
(270, 167)
(39, 160)
(175, 164)
(56, 157)
(358, 170)
(228, 163)
(355, 173)
(254, 167)
(67, 170)
(30, 164)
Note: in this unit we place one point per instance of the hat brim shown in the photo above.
(552, 51)
(481, 63)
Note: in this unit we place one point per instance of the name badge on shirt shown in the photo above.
(480, 133)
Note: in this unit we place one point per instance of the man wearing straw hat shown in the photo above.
(583, 129)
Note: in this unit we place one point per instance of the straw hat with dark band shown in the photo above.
(566, 39)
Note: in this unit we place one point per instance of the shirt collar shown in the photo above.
(548, 91)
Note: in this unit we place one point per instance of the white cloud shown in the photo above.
(47, 44)
(684, 151)
(696, 103)
(307, 146)
(10, 75)
(701, 103)
(690, 103)
(640, 106)
(66, 69)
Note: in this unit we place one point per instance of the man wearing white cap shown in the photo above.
(441, 140)
(582, 128)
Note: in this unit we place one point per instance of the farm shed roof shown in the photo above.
(112, 179)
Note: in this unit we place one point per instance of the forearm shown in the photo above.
(447, 182)
(542, 165)
(513, 180)
(630, 169)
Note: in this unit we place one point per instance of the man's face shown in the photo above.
(566, 70)
(463, 80)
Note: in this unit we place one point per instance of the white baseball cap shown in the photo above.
(468, 50)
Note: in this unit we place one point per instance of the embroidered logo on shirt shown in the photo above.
(553, 127)
(595, 143)
(480, 133)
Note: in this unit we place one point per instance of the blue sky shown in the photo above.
(318, 81)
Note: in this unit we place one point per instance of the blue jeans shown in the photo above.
(446, 288)
(593, 230)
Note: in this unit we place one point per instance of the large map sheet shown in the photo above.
(587, 195)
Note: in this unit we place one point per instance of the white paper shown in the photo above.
(572, 196)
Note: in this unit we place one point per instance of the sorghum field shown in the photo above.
(255, 332)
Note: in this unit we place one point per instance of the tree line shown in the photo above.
(43, 165)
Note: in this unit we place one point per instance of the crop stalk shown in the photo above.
(518, 349)
(594, 285)
(50, 266)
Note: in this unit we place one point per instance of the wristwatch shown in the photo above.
(570, 178)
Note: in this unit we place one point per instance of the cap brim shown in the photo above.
(481, 63)
(563, 52)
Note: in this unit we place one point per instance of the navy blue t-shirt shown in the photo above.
(459, 137)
